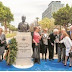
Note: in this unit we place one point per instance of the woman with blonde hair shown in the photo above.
(36, 41)
(68, 44)
(2, 43)
(45, 43)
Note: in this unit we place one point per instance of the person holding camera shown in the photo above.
(2, 44)
(36, 41)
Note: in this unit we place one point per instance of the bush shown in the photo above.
(12, 52)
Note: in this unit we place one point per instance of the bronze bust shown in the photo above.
(23, 26)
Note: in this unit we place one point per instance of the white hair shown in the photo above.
(63, 29)
(55, 30)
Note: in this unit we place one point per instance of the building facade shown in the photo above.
(52, 7)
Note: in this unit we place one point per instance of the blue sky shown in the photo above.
(30, 8)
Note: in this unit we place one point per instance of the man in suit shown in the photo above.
(57, 41)
(51, 44)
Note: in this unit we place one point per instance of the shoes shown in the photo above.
(0, 60)
(45, 59)
(49, 59)
(38, 62)
(65, 64)
(42, 58)
(69, 66)
(52, 59)
(63, 61)
(59, 60)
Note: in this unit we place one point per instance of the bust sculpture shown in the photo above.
(23, 26)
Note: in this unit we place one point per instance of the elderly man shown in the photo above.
(57, 40)
(51, 44)
(61, 48)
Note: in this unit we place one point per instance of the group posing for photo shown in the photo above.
(42, 41)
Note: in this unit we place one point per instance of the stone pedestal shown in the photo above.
(24, 53)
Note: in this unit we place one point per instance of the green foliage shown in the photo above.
(5, 15)
(63, 16)
(12, 52)
(12, 28)
(9, 35)
(47, 23)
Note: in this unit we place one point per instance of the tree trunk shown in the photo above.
(65, 26)
(5, 26)
(9, 30)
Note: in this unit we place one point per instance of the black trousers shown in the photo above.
(44, 51)
(2, 57)
(51, 51)
(56, 48)
(37, 53)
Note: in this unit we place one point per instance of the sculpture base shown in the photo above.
(24, 53)
(23, 66)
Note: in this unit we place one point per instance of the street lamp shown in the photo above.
(37, 20)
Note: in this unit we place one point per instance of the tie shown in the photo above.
(71, 36)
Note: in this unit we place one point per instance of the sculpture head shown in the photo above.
(23, 18)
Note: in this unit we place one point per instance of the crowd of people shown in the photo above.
(43, 41)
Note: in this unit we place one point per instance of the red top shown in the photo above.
(36, 37)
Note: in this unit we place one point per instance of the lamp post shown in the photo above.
(37, 20)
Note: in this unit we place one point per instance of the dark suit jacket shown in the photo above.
(52, 38)
(69, 33)
(61, 45)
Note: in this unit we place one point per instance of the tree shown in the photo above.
(63, 16)
(5, 15)
(47, 23)
(12, 28)
(32, 27)
(70, 15)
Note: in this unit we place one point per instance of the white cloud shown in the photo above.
(30, 8)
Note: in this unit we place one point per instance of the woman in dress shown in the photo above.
(45, 43)
(2, 44)
(68, 44)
